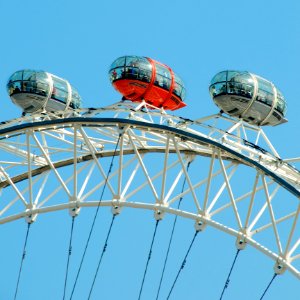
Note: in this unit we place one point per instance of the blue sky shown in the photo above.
(78, 40)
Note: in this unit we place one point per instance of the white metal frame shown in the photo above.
(73, 148)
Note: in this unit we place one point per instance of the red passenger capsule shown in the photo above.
(141, 78)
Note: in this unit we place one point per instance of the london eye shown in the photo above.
(217, 172)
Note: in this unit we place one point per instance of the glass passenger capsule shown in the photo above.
(38, 90)
(249, 97)
(142, 78)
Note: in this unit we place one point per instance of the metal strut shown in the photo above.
(149, 257)
(228, 277)
(183, 264)
(95, 217)
(274, 276)
(68, 259)
(22, 260)
(171, 236)
(101, 256)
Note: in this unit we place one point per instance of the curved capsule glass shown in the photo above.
(142, 78)
(38, 90)
(249, 97)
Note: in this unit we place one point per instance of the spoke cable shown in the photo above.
(102, 253)
(183, 264)
(69, 254)
(274, 276)
(229, 274)
(171, 236)
(95, 217)
(22, 260)
(149, 257)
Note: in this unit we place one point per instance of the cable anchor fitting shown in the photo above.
(241, 241)
(116, 205)
(30, 215)
(279, 267)
(74, 207)
(200, 224)
(159, 212)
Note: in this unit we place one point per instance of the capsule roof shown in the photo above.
(249, 97)
(38, 90)
(140, 78)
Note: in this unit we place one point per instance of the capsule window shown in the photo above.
(183, 93)
(76, 101)
(120, 62)
(60, 89)
(265, 97)
(240, 89)
(29, 75)
(281, 104)
(116, 74)
(29, 86)
(145, 64)
(232, 75)
(42, 89)
(14, 88)
(177, 89)
(131, 61)
(222, 76)
(60, 84)
(163, 77)
(131, 67)
(162, 81)
(178, 80)
(265, 85)
(218, 89)
(16, 76)
(144, 75)
(142, 62)
(163, 71)
(131, 72)
(59, 95)
(244, 78)
(41, 77)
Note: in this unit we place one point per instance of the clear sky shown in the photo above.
(78, 40)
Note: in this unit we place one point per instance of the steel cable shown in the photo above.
(68, 259)
(95, 217)
(171, 236)
(149, 257)
(101, 256)
(22, 260)
(265, 291)
(183, 264)
(228, 277)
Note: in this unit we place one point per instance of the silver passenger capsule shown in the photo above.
(41, 91)
(249, 97)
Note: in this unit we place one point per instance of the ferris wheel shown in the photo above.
(239, 180)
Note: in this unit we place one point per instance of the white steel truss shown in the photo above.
(237, 182)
